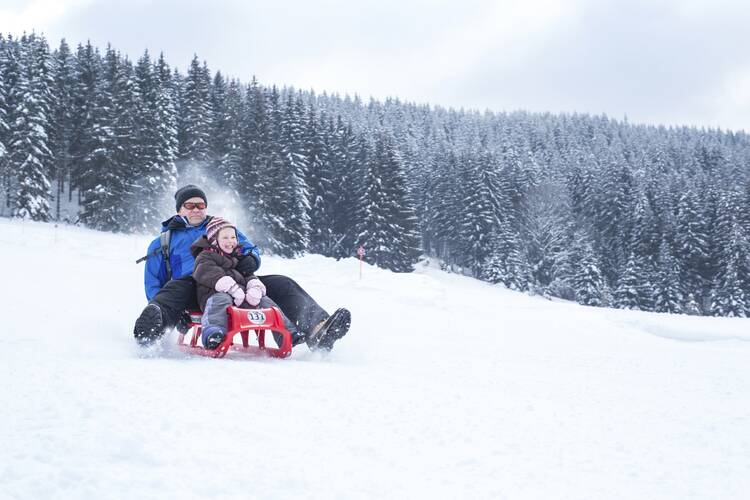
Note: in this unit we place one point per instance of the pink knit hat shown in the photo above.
(215, 225)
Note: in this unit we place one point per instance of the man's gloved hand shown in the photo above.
(183, 323)
(247, 265)
(255, 291)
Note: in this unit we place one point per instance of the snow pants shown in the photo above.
(178, 295)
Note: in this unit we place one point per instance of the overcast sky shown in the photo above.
(684, 62)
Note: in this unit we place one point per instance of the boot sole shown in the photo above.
(148, 326)
(338, 326)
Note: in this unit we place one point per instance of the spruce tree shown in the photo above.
(692, 246)
(86, 97)
(279, 207)
(668, 296)
(108, 186)
(732, 294)
(506, 263)
(388, 223)
(196, 114)
(31, 158)
(478, 221)
(62, 110)
(588, 282)
(319, 180)
(4, 113)
(349, 173)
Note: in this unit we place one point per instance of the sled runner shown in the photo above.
(242, 322)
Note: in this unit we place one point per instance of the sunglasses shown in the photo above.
(191, 206)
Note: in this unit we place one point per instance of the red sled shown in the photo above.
(242, 322)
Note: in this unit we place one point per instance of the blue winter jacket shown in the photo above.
(183, 235)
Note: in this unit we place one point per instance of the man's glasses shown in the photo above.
(191, 206)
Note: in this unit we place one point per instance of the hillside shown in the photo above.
(446, 387)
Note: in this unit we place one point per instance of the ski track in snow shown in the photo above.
(445, 387)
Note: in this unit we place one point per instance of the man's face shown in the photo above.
(194, 209)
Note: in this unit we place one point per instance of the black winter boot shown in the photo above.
(149, 326)
(336, 326)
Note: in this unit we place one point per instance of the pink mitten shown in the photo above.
(227, 285)
(255, 291)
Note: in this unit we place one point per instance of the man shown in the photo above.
(170, 288)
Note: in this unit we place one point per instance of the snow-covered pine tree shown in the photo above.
(388, 222)
(107, 186)
(230, 164)
(166, 146)
(588, 281)
(731, 297)
(155, 142)
(219, 117)
(478, 220)
(4, 114)
(292, 148)
(443, 208)
(61, 130)
(630, 292)
(668, 295)
(255, 145)
(544, 234)
(88, 83)
(349, 175)
(30, 157)
(196, 113)
(319, 180)
(692, 246)
(279, 210)
(506, 263)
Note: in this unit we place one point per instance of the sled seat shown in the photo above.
(242, 322)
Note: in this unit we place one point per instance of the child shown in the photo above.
(219, 284)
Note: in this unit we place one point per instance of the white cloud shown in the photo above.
(35, 15)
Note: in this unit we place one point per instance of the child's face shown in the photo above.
(227, 239)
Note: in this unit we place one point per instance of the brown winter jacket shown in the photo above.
(210, 266)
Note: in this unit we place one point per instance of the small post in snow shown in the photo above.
(361, 253)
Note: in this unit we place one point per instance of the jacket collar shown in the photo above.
(180, 222)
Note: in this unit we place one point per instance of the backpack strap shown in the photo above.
(164, 238)
(164, 249)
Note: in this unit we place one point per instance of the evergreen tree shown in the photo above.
(388, 223)
(155, 135)
(506, 263)
(279, 210)
(630, 292)
(108, 184)
(88, 83)
(319, 180)
(61, 130)
(5, 47)
(732, 294)
(691, 246)
(231, 161)
(31, 158)
(292, 149)
(588, 282)
(196, 114)
(668, 296)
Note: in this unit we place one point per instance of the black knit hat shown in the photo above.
(186, 192)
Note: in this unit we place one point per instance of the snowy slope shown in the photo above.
(446, 387)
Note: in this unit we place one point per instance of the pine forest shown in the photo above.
(580, 207)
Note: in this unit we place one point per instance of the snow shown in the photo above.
(446, 387)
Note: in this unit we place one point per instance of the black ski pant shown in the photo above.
(179, 295)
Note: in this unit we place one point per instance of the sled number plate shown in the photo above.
(256, 317)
